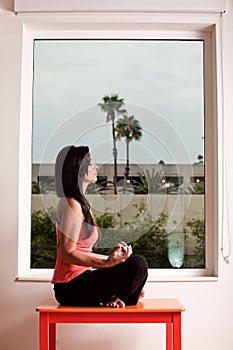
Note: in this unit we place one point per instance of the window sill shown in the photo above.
(183, 279)
(45, 275)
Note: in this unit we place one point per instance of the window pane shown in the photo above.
(160, 178)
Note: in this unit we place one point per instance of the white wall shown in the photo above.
(207, 322)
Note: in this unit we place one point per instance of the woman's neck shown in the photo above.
(84, 186)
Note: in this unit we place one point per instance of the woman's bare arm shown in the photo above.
(70, 255)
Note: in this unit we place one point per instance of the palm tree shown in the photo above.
(150, 182)
(200, 159)
(112, 105)
(128, 127)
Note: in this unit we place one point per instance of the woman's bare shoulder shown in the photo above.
(65, 204)
(75, 206)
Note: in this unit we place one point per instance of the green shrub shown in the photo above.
(197, 229)
(153, 245)
(152, 242)
(43, 239)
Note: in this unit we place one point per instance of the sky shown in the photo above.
(160, 81)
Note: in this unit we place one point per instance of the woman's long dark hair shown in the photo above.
(71, 166)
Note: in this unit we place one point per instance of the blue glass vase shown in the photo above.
(176, 249)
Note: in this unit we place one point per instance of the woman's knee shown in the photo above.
(139, 262)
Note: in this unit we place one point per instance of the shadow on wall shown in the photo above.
(108, 336)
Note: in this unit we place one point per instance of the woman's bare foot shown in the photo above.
(142, 294)
(115, 303)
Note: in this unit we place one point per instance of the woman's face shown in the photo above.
(91, 175)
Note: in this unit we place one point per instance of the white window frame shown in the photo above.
(124, 26)
(204, 6)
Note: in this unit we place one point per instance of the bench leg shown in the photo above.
(169, 336)
(44, 331)
(52, 336)
(177, 331)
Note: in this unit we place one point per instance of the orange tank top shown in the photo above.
(65, 272)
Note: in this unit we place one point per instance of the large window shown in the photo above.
(160, 197)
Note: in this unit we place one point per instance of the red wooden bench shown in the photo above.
(147, 311)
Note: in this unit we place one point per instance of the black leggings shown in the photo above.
(96, 287)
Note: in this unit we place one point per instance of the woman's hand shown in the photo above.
(120, 254)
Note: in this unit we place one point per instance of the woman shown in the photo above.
(81, 277)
